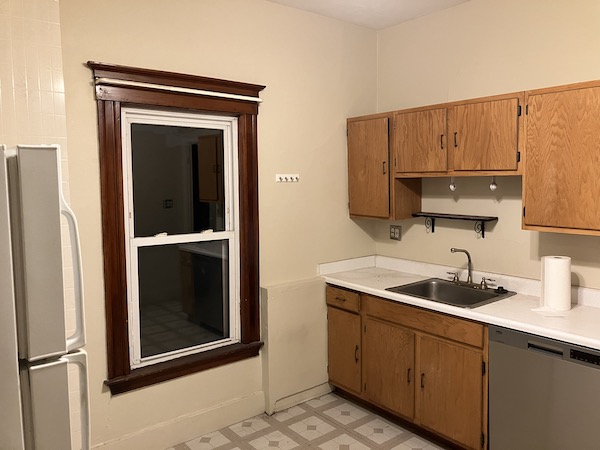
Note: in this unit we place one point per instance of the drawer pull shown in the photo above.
(408, 375)
(340, 299)
(356, 354)
(422, 380)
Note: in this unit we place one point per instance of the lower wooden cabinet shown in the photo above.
(425, 367)
(450, 390)
(389, 366)
(344, 339)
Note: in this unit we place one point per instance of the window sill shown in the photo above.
(169, 370)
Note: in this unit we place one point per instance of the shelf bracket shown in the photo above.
(430, 224)
(480, 228)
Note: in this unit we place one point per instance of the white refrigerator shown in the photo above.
(35, 354)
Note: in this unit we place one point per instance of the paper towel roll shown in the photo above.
(556, 283)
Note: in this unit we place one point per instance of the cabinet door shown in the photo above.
(388, 364)
(562, 177)
(368, 168)
(343, 339)
(485, 135)
(450, 390)
(419, 141)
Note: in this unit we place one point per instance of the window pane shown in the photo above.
(178, 184)
(183, 295)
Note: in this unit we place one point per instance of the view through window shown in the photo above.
(181, 221)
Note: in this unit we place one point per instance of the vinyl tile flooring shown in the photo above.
(164, 327)
(329, 422)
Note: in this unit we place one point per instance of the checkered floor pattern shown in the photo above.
(165, 327)
(329, 422)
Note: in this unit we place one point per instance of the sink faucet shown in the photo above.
(469, 263)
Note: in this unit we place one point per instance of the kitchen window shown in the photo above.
(180, 215)
(178, 169)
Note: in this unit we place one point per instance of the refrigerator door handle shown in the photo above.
(77, 340)
(79, 357)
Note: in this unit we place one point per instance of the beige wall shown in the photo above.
(317, 72)
(479, 48)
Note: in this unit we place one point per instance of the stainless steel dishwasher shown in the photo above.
(543, 394)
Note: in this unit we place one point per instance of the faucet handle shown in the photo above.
(454, 276)
(484, 282)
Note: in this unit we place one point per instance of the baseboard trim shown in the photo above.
(300, 397)
(189, 426)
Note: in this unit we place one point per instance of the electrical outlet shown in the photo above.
(396, 232)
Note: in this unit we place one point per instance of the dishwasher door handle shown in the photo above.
(545, 349)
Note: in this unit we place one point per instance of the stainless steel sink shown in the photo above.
(444, 291)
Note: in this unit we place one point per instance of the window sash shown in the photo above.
(228, 125)
(135, 348)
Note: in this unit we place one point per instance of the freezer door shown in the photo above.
(11, 428)
(46, 406)
(35, 206)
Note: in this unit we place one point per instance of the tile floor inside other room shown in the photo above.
(329, 422)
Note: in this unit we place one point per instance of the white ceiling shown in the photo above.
(376, 14)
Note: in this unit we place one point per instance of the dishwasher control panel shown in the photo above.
(586, 357)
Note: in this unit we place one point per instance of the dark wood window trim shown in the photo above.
(110, 98)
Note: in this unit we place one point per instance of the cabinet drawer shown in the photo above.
(342, 298)
(453, 328)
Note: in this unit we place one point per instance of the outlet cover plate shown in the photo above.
(396, 232)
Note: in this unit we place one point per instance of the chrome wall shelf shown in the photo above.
(479, 220)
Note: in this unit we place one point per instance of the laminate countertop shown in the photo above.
(372, 275)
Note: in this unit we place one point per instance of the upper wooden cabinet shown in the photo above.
(550, 136)
(484, 135)
(420, 142)
(368, 168)
(467, 138)
(562, 176)
(371, 190)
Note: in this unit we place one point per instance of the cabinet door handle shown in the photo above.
(408, 375)
(356, 354)
(455, 141)
(384, 172)
(422, 380)
(442, 141)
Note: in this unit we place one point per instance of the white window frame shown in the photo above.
(228, 125)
